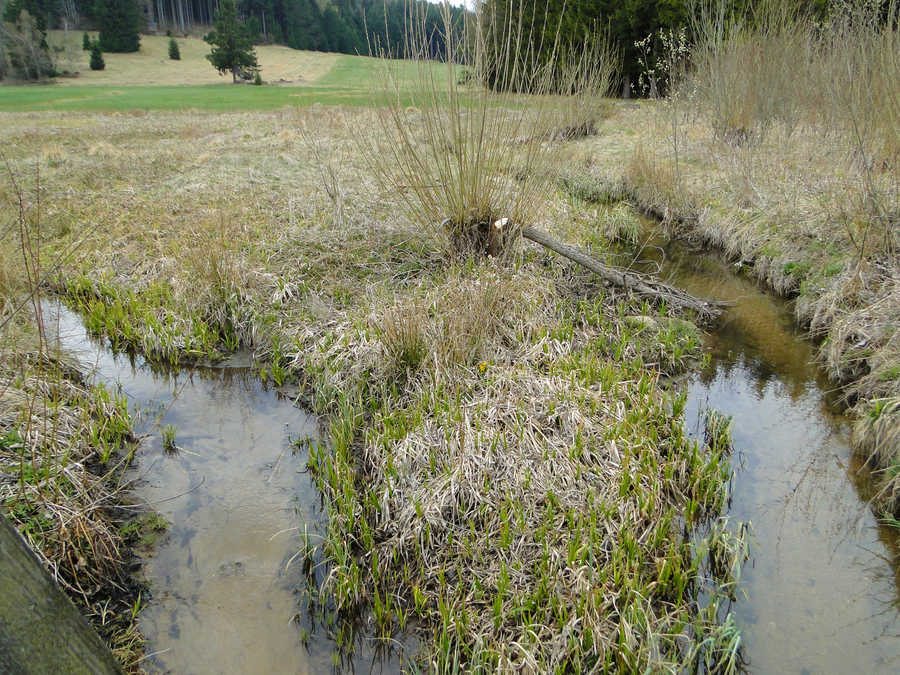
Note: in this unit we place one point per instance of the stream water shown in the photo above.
(822, 582)
(821, 586)
(224, 596)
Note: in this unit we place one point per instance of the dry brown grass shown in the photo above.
(152, 65)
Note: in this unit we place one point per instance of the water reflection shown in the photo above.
(822, 585)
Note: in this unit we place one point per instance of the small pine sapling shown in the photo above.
(97, 62)
(174, 52)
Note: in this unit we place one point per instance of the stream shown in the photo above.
(822, 582)
(821, 585)
(224, 592)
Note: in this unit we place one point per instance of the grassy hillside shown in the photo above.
(152, 65)
(149, 80)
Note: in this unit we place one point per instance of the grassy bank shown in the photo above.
(64, 448)
(506, 477)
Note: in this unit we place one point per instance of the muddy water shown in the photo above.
(223, 593)
(822, 583)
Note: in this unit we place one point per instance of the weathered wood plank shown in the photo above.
(41, 631)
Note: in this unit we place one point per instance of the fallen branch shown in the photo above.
(641, 284)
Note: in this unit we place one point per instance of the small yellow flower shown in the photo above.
(482, 366)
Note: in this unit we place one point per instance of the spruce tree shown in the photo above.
(23, 50)
(97, 62)
(119, 21)
(174, 52)
(232, 48)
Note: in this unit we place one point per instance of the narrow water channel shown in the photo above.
(822, 583)
(224, 596)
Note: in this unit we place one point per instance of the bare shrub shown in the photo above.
(463, 155)
(749, 71)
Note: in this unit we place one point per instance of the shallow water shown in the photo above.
(821, 586)
(224, 596)
(822, 582)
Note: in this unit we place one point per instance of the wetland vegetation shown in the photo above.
(506, 475)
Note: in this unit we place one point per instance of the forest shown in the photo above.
(360, 26)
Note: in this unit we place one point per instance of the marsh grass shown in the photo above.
(168, 439)
(488, 499)
(511, 509)
(877, 438)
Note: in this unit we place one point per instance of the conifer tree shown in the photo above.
(174, 52)
(23, 50)
(97, 62)
(119, 21)
(40, 10)
(232, 47)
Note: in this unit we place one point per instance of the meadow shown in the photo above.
(149, 80)
(508, 473)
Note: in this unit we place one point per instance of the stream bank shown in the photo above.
(224, 577)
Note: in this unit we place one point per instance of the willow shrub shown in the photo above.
(464, 155)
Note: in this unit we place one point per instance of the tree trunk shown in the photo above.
(631, 281)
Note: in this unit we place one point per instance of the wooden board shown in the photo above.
(41, 631)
